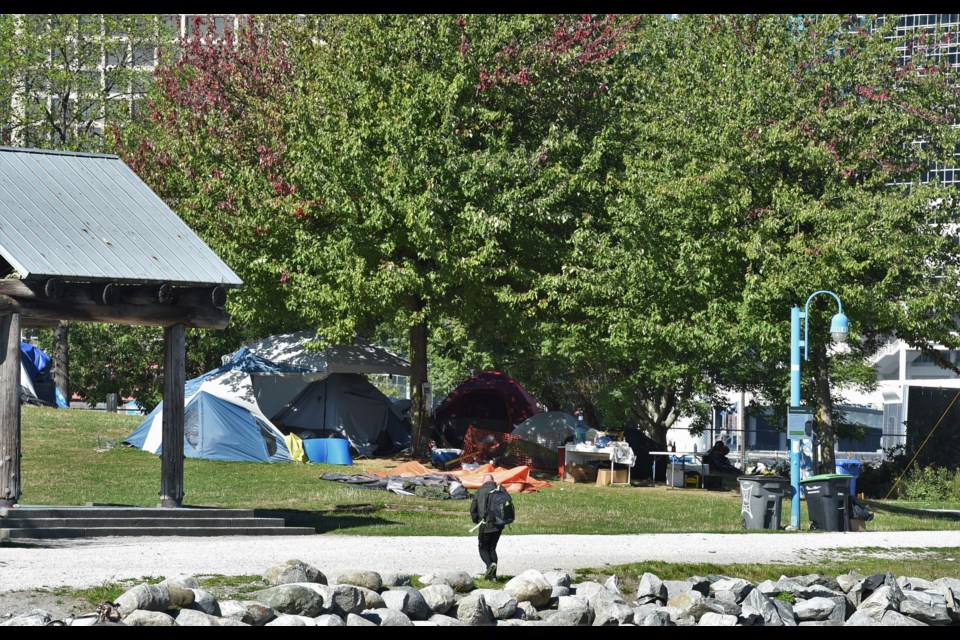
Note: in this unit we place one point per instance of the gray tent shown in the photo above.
(347, 405)
(326, 391)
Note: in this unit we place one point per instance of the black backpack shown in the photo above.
(500, 510)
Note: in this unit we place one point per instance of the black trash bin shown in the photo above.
(762, 500)
(828, 501)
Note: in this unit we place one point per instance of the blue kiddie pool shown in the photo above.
(316, 449)
(338, 451)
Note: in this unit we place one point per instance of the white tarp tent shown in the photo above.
(549, 429)
(294, 350)
(27, 392)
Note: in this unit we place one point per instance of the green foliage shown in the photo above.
(762, 171)
(891, 478)
(617, 211)
(787, 597)
(930, 484)
(65, 96)
(128, 361)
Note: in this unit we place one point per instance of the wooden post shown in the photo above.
(9, 409)
(174, 377)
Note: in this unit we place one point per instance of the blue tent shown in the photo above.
(221, 418)
(36, 377)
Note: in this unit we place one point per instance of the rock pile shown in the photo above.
(297, 594)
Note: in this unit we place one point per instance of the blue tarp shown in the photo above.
(38, 368)
(35, 360)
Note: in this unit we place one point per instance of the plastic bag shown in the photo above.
(859, 511)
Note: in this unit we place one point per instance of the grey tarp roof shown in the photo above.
(88, 217)
(290, 349)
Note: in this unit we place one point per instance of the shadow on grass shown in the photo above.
(933, 514)
(350, 517)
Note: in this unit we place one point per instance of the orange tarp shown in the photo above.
(515, 480)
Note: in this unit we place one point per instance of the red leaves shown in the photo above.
(570, 47)
(872, 94)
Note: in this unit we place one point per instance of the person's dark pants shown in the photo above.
(488, 545)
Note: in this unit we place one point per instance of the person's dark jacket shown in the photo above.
(478, 508)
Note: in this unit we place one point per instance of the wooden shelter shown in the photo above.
(83, 239)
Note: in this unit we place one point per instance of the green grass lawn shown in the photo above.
(75, 458)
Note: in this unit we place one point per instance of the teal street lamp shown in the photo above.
(839, 328)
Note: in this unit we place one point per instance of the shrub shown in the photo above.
(928, 484)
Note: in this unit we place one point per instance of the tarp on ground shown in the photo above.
(515, 480)
(489, 400)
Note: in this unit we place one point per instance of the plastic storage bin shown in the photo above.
(761, 500)
(828, 501)
(850, 467)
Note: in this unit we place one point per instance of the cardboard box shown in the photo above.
(858, 525)
(604, 477)
(574, 472)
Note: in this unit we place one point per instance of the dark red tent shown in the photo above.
(489, 400)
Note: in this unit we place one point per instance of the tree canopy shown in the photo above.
(624, 206)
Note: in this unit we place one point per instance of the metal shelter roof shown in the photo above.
(88, 217)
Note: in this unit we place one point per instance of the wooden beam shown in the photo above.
(8, 306)
(36, 312)
(184, 296)
(171, 453)
(9, 410)
(114, 293)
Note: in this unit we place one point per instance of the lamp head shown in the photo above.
(839, 328)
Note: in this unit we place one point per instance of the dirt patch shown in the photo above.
(60, 607)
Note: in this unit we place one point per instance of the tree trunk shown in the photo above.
(655, 411)
(826, 435)
(61, 359)
(419, 412)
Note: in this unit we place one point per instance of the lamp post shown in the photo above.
(839, 328)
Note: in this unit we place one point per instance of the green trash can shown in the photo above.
(762, 500)
(828, 501)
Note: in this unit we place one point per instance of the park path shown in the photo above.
(84, 563)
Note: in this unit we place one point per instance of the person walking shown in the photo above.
(489, 533)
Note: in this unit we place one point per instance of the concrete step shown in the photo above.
(99, 532)
(97, 520)
(137, 521)
(118, 511)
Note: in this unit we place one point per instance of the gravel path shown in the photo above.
(93, 562)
